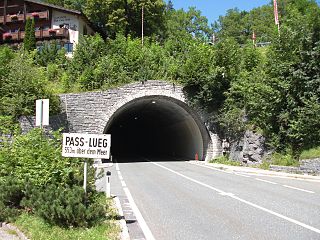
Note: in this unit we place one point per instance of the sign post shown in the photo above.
(108, 188)
(85, 167)
(81, 145)
(42, 112)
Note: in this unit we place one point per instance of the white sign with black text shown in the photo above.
(86, 145)
(42, 112)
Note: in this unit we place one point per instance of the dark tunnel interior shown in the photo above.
(156, 128)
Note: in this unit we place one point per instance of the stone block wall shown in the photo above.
(308, 166)
(90, 112)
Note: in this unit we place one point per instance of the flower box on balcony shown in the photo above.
(14, 17)
(7, 35)
(35, 15)
(52, 30)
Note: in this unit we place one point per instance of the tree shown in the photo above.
(29, 41)
(154, 22)
(87, 55)
(109, 15)
(281, 96)
(232, 25)
(179, 24)
(22, 85)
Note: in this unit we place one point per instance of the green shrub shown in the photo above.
(66, 206)
(38, 158)
(280, 159)
(11, 195)
(283, 160)
(225, 160)
(311, 153)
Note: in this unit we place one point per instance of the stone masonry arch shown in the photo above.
(94, 112)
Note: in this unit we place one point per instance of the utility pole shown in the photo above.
(142, 20)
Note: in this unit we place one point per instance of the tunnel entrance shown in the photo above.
(156, 127)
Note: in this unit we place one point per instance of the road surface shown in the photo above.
(179, 200)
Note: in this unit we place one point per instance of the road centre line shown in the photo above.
(266, 181)
(242, 200)
(299, 189)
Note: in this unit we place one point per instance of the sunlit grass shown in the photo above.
(37, 229)
(225, 160)
(311, 153)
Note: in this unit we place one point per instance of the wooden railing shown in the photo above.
(20, 17)
(38, 15)
(14, 18)
(40, 34)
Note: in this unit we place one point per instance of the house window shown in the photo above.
(68, 47)
(85, 30)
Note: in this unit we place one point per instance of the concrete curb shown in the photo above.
(248, 170)
(124, 235)
(8, 226)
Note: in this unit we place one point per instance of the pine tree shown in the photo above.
(29, 38)
(32, 35)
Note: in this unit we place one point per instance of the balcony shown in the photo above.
(20, 17)
(14, 36)
(61, 33)
(38, 15)
(55, 33)
(15, 18)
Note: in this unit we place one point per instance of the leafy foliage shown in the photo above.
(22, 84)
(10, 197)
(45, 183)
(29, 41)
(66, 206)
(281, 95)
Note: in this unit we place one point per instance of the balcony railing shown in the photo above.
(56, 33)
(20, 17)
(38, 15)
(14, 18)
(61, 33)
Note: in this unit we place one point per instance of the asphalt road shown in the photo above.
(179, 200)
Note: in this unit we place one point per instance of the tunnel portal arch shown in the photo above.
(161, 109)
(158, 126)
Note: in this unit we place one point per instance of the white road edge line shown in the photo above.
(299, 189)
(117, 167)
(143, 225)
(123, 183)
(238, 174)
(122, 222)
(146, 231)
(242, 200)
(266, 181)
(213, 168)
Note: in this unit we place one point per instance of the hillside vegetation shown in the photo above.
(274, 90)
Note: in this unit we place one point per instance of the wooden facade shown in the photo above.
(14, 13)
